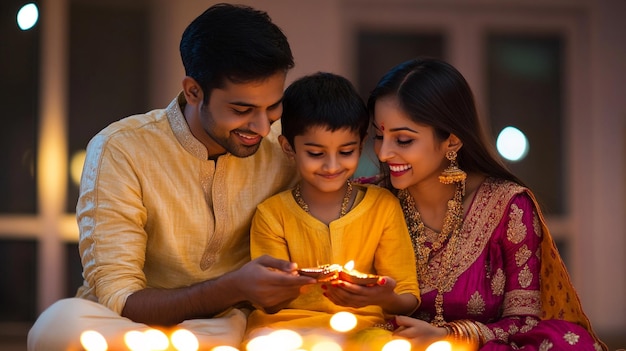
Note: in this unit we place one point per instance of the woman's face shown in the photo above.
(410, 149)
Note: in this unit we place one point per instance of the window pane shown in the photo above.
(19, 96)
(379, 51)
(108, 71)
(18, 288)
(524, 75)
(74, 269)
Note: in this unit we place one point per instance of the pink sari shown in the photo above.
(508, 277)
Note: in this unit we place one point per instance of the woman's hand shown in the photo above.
(346, 294)
(420, 333)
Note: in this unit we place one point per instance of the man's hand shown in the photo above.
(270, 283)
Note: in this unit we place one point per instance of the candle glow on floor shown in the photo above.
(440, 346)
(343, 321)
(93, 341)
(397, 345)
(184, 340)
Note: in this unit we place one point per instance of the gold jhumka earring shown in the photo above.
(453, 174)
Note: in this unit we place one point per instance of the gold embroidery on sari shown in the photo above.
(545, 345)
(529, 324)
(476, 304)
(525, 277)
(497, 283)
(492, 198)
(536, 225)
(571, 338)
(522, 302)
(516, 230)
(522, 255)
(500, 334)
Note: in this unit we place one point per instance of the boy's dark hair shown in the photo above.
(233, 42)
(326, 100)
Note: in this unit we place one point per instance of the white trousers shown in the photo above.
(60, 326)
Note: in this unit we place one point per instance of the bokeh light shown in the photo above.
(397, 345)
(91, 340)
(135, 340)
(440, 346)
(76, 166)
(512, 144)
(184, 340)
(224, 348)
(27, 16)
(156, 339)
(326, 346)
(343, 321)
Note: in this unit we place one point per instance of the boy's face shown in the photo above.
(326, 160)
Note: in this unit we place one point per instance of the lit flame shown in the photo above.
(224, 348)
(349, 266)
(93, 341)
(343, 321)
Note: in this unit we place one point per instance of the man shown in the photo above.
(167, 197)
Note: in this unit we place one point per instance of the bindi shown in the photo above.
(382, 126)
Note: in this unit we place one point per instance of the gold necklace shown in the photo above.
(297, 195)
(417, 230)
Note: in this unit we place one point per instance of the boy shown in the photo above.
(326, 219)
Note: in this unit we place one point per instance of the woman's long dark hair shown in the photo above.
(434, 93)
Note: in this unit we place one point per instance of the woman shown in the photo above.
(487, 267)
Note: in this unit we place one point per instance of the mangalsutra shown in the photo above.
(451, 229)
(297, 195)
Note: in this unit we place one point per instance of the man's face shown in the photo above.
(238, 116)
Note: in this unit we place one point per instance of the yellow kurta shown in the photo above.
(373, 234)
(155, 212)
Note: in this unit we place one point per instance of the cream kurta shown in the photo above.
(155, 212)
(373, 234)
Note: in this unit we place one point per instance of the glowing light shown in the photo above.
(260, 343)
(343, 321)
(278, 340)
(326, 346)
(76, 166)
(156, 339)
(224, 348)
(439, 346)
(27, 16)
(93, 341)
(349, 266)
(512, 144)
(184, 340)
(135, 341)
(287, 340)
(397, 345)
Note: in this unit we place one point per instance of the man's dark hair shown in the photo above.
(235, 43)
